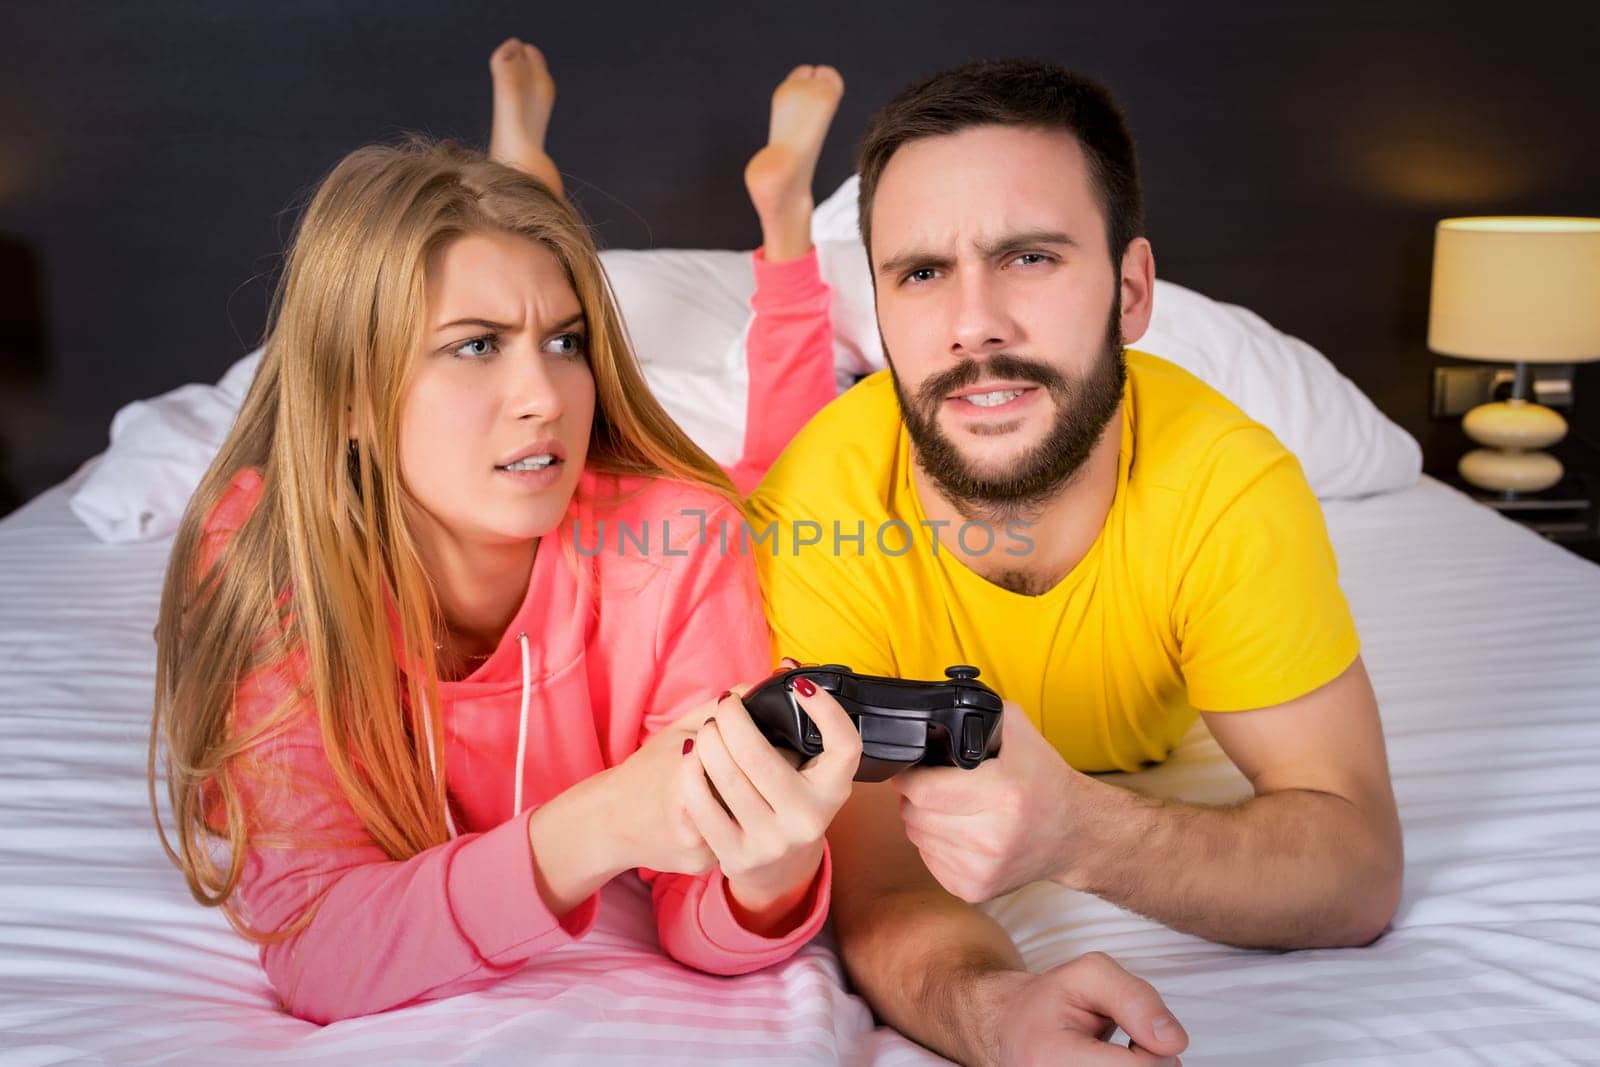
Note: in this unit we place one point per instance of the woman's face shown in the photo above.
(494, 429)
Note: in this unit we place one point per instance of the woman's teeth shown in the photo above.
(990, 400)
(530, 463)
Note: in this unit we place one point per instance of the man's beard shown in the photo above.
(1084, 405)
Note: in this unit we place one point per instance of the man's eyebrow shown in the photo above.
(913, 258)
(503, 327)
(1023, 239)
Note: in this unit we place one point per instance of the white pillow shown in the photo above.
(687, 312)
(837, 218)
(1347, 446)
(160, 448)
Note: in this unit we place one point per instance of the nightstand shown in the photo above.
(1568, 513)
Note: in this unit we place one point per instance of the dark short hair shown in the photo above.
(1014, 92)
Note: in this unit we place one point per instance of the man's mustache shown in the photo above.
(971, 371)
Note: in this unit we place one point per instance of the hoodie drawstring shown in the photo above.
(522, 745)
(522, 730)
(433, 767)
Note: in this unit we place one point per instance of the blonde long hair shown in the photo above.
(314, 570)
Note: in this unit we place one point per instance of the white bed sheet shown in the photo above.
(1483, 642)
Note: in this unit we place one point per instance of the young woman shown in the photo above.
(412, 719)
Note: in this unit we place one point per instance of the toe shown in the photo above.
(506, 50)
(539, 70)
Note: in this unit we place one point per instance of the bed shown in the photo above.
(1482, 640)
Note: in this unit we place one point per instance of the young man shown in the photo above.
(1117, 547)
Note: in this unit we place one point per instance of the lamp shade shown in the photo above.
(1516, 289)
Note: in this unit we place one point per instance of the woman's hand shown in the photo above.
(763, 817)
(646, 811)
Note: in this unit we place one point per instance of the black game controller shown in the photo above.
(901, 722)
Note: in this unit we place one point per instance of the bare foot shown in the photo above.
(779, 176)
(524, 94)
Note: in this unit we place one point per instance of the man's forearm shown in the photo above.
(923, 960)
(932, 966)
(1290, 869)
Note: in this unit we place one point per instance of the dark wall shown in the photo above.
(1295, 157)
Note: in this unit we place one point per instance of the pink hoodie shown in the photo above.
(606, 648)
(611, 643)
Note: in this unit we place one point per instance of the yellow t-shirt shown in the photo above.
(1212, 584)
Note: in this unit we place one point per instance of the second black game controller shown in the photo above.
(902, 722)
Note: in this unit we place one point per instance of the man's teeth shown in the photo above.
(989, 400)
(530, 463)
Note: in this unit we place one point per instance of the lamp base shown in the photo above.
(1512, 429)
(1507, 471)
(1514, 425)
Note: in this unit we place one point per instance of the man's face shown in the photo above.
(1000, 310)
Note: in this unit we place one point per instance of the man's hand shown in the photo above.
(1313, 860)
(1008, 822)
(1066, 1014)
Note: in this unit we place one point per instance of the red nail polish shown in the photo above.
(726, 693)
(688, 745)
(805, 687)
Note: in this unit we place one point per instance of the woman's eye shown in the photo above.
(566, 344)
(477, 348)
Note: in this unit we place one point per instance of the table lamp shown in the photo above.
(1517, 290)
